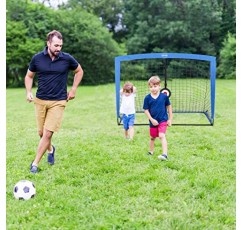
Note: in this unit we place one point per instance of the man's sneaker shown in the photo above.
(51, 156)
(33, 168)
(150, 153)
(162, 157)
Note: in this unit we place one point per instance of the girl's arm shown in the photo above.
(121, 91)
(134, 89)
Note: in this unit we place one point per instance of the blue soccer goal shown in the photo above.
(188, 79)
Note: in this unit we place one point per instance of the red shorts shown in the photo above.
(161, 128)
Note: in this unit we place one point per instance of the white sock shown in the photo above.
(52, 149)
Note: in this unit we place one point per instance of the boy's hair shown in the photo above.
(128, 87)
(53, 33)
(154, 80)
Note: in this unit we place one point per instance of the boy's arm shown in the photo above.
(170, 116)
(153, 121)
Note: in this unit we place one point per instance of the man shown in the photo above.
(52, 67)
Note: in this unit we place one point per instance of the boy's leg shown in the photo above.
(152, 142)
(163, 139)
(162, 128)
(162, 135)
(153, 135)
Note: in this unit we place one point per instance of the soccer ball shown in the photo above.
(24, 190)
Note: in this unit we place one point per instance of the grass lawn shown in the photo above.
(102, 181)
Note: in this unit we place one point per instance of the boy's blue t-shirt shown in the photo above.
(52, 74)
(157, 107)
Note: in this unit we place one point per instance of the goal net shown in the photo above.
(188, 79)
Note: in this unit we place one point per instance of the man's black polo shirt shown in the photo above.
(52, 75)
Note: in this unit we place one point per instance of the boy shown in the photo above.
(157, 107)
(127, 108)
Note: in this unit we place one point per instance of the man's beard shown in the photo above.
(54, 53)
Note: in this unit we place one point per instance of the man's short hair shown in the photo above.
(54, 33)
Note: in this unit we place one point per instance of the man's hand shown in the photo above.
(71, 95)
(29, 97)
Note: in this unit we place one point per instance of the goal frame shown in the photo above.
(132, 57)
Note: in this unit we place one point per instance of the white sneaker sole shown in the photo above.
(162, 158)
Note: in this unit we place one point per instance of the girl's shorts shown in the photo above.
(128, 120)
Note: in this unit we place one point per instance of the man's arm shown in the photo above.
(28, 85)
(77, 79)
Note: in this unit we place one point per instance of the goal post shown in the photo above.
(188, 79)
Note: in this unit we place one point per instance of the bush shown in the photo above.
(227, 67)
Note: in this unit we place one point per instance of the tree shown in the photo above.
(227, 67)
(110, 13)
(172, 26)
(84, 37)
(90, 43)
(19, 52)
(228, 23)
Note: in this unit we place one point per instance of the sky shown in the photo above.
(54, 3)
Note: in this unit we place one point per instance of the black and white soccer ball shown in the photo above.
(24, 190)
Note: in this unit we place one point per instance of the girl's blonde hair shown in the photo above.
(154, 80)
(128, 87)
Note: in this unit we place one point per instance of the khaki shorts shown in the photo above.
(49, 114)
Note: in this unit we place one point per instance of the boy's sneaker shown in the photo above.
(51, 156)
(150, 153)
(33, 168)
(162, 157)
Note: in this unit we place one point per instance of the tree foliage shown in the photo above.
(227, 67)
(84, 37)
(109, 11)
(97, 31)
(90, 43)
(172, 26)
(20, 49)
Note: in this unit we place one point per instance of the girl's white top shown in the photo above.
(128, 104)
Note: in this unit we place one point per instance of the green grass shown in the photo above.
(101, 181)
